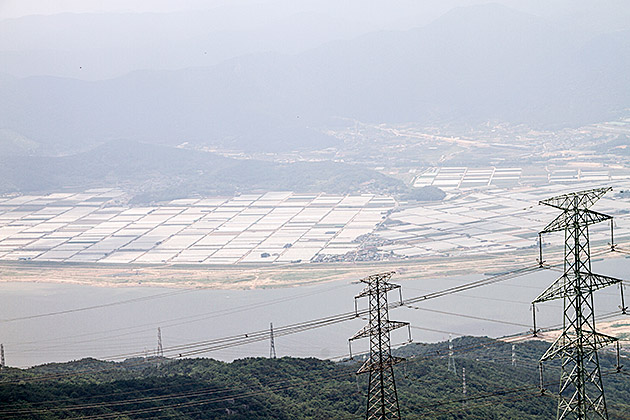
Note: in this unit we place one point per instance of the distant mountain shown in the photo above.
(84, 46)
(474, 64)
(14, 144)
(157, 173)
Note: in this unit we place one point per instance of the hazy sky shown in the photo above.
(373, 9)
(376, 14)
(18, 8)
(390, 14)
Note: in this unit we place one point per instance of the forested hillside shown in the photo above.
(151, 173)
(288, 388)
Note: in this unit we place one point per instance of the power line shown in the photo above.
(467, 316)
(104, 305)
(213, 400)
(189, 319)
(203, 392)
(241, 339)
(238, 343)
(176, 395)
(459, 349)
(185, 319)
(502, 392)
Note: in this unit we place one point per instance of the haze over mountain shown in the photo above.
(84, 46)
(151, 173)
(91, 41)
(473, 64)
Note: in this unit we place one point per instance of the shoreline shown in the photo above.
(259, 277)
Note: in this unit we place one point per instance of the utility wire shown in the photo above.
(241, 339)
(105, 305)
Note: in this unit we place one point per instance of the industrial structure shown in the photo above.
(464, 391)
(382, 401)
(451, 359)
(272, 344)
(581, 393)
(513, 355)
(160, 348)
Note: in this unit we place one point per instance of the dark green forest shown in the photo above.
(290, 388)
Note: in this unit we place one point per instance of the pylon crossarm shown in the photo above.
(566, 219)
(558, 346)
(363, 332)
(555, 291)
(586, 198)
(602, 340)
(558, 290)
(383, 287)
(557, 224)
(393, 325)
(381, 277)
(599, 281)
(394, 360)
(385, 328)
(374, 366)
(594, 217)
(565, 341)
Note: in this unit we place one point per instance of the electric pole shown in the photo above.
(513, 355)
(581, 394)
(272, 348)
(2, 364)
(451, 360)
(382, 401)
(160, 349)
(464, 391)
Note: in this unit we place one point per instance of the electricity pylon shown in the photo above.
(464, 390)
(2, 356)
(513, 355)
(382, 401)
(451, 359)
(272, 344)
(160, 349)
(581, 394)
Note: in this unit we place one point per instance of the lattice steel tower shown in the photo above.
(382, 401)
(581, 394)
(451, 359)
(160, 349)
(272, 344)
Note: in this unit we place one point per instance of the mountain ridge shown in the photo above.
(299, 388)
(529, 74)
